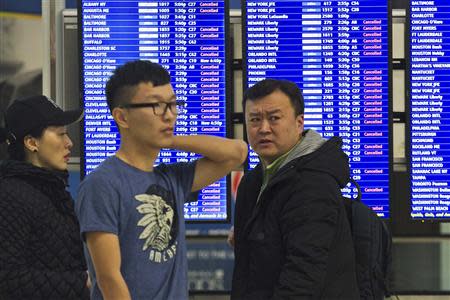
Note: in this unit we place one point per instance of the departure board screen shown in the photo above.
(188, 39)
(338, 54)
(429, 109)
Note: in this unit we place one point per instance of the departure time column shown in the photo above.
(204, 50)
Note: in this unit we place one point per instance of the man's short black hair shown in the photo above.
(121, 86)
(268, 86)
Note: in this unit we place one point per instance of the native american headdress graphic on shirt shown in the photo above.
(158, 218)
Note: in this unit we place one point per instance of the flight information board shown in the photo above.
(338, 54)
(188, 39)
(429, 109)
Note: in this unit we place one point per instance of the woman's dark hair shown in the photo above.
(268, 86)
(16, 148)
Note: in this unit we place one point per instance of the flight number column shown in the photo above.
(312, 64)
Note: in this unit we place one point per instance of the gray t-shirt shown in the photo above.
(145, 211)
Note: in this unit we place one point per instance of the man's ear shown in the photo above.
(300, 119)
(31, 143)
(120, 116)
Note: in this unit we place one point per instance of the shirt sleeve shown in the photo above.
(97, 206)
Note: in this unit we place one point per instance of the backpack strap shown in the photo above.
(358, 188)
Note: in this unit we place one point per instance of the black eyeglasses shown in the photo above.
(159, 108)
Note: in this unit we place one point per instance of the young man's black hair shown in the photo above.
(121, 86)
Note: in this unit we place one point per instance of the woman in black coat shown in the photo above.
(41, 252)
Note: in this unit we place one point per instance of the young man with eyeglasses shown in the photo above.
(130, 212)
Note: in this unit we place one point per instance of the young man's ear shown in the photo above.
(120, 116)
(31, 143)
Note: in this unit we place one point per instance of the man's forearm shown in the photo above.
(113, 287)
(212, 147)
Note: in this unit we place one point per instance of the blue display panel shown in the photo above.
(429, 108)
(186, 37)
(338, 54)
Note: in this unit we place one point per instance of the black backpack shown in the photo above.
(373, 248)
